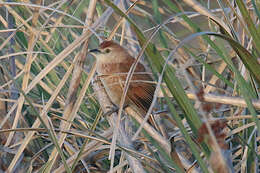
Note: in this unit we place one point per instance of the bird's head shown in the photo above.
(109, 51)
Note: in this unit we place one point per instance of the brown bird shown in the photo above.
(113, 65)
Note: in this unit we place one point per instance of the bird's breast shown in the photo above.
(112, 80)
(114, 86)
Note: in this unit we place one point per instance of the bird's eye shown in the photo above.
(107, 50)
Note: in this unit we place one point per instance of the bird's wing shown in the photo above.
(141, 90)
(141, 94)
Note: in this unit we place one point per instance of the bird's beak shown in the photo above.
(95, 51)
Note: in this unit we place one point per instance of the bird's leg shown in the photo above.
(110, 110)
(113, 109)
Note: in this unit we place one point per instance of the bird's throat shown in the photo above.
(110, 68)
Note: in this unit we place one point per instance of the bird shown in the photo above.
(113, 64)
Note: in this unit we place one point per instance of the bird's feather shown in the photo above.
(141, 89)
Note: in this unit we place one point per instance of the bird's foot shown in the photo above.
(113, 109)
